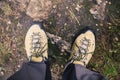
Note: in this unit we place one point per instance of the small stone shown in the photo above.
(78, 7)
(67, 7)
(106, 1)
(116, 38)
(96, 24)
(109, 3)
(58, 14)
(62, 50)
(54, 6)
(109, 23)
(2, 73)
(98, 10)
(19, 25)
(115, 51)
(93, 11)
(50, 22)
(9, 22)
(62, 66)
(109, 27)
(51, 70)
(65, 24)
(18, 66)
(98, 29)
(99, 1)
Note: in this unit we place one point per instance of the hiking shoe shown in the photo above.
(83, 48)
(36, 43)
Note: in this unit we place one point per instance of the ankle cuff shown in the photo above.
(36, 59)
(79, 62)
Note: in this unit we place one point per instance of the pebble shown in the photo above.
(96, 24)
(67, 7)
(50, 22)
(93, 11)
(109, 23)
(98, 29)
(62, 66)
(2, 73)
(99, 1)
(109, 27)
(58, 14)
(54, 6)
(9, 22)
(109, 3)
(19, 25)
(18, 66)
(78, 7)
(65, 24)
(116, 38)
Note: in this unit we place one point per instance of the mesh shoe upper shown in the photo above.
(36, 42)
(83, 47)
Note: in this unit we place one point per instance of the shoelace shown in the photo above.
(82, 52)
(36, 48)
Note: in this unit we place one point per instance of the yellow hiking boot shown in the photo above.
(83, 48)
(36, 43)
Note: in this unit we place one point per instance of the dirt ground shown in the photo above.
(62, 18)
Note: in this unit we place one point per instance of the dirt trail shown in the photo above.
(62, 18)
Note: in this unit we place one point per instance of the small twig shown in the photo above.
(71, 13)
(73, 16)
